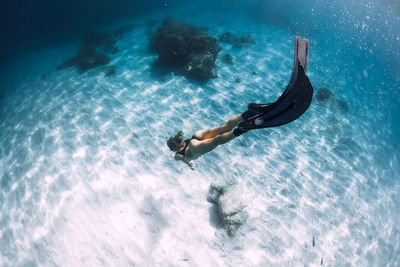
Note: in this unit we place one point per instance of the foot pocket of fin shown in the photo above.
(259, 108)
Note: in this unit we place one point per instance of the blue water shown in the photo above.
(86, 178)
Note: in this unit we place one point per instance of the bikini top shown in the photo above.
(187, 141)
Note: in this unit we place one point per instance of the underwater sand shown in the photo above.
(87, 179)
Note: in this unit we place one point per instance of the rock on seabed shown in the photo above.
(230, 205)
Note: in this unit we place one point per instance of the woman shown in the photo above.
(203, 141)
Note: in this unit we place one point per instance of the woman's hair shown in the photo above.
(175, 142)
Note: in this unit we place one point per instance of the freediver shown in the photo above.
(293, 102)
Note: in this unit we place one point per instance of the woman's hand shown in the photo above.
(184, 159)
(191, 165)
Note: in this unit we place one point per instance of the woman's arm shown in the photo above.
(184, 159)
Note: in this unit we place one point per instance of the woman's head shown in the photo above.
(176, 142)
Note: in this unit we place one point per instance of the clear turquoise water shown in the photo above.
(86, 178)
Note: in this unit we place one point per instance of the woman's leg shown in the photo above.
(227, 127)
(198, 148)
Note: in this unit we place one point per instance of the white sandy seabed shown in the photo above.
(87, 178)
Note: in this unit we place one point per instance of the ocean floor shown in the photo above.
(88, 180)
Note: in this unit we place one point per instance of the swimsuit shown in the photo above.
(187, 141)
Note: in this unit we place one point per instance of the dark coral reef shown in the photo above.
(236, 41)
(323, 94)
(227, 58)
(326, 98)
(86, 58)
(185, 48)
(94, 50)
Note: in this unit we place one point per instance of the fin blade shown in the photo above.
(296, 98)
